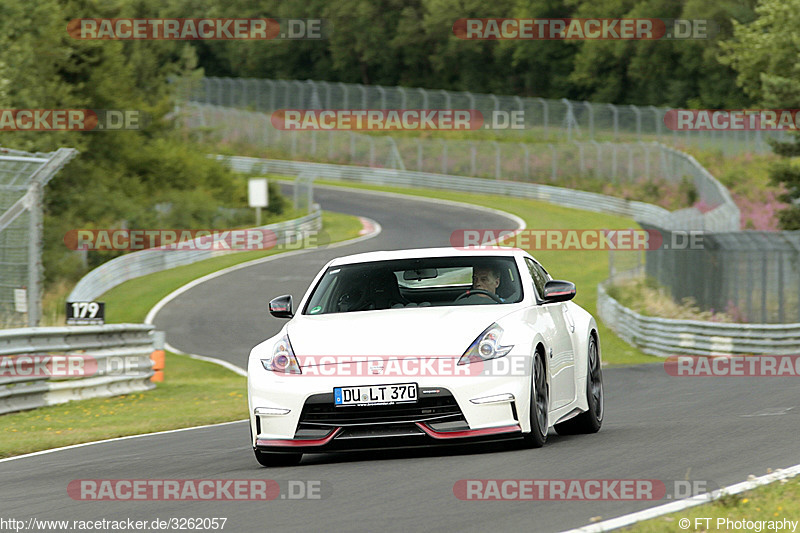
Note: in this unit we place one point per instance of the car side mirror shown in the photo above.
(558, 291)
(281, 307)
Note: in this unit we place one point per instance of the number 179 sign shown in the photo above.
(85, 313)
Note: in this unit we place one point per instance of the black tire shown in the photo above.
(540, 405)
(278, 459)
(591, 420)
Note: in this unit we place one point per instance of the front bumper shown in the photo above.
(452, 414)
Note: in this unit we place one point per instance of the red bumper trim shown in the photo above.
(299, 442)
(468, 432)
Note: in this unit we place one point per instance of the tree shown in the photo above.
(674, 73)
(766, 57)
(766, 54)
(119, 176)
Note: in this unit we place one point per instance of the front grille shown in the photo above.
(319, 411)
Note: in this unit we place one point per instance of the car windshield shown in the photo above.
(426, 282)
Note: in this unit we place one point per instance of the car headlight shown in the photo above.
(486, 346)
(283, 358)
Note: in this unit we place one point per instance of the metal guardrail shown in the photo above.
(664, 337)
(144, 262)
(119, 355)
(723, 218)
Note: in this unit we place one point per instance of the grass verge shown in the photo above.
(773, 502)
(193, 393)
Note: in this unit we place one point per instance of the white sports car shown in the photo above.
(419, 347)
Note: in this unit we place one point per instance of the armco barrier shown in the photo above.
(137, 264)
(120, 354)
(664, 337)
(507, 162)
(723, 218)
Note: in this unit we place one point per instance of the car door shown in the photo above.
(560, 353)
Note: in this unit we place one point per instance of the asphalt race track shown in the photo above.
(657, 426)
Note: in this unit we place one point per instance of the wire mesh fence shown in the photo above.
(751, 276)
(552, 163)
(23, 176)
(546, 120)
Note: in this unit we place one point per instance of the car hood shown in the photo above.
(422, 332)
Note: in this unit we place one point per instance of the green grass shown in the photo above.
(584, 268)
(775, 501)
(193, 392)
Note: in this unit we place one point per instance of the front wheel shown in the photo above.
(591, 420)
(277, 459)
(540, 405)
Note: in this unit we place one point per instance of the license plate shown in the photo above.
(376, 394)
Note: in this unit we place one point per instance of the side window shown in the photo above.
(538, 275)
(545, 276)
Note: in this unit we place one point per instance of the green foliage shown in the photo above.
(411, 43)
(676, 73)
(789, 218)
(766, 54)
(766, 57)
(786, 174)
(688, 190)
(152, 177)
(788, 148)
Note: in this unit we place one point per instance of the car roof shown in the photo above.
(448, 251)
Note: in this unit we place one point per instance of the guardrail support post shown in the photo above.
(34, 254)
(158, 357)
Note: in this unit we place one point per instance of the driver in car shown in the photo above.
(487, 279)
